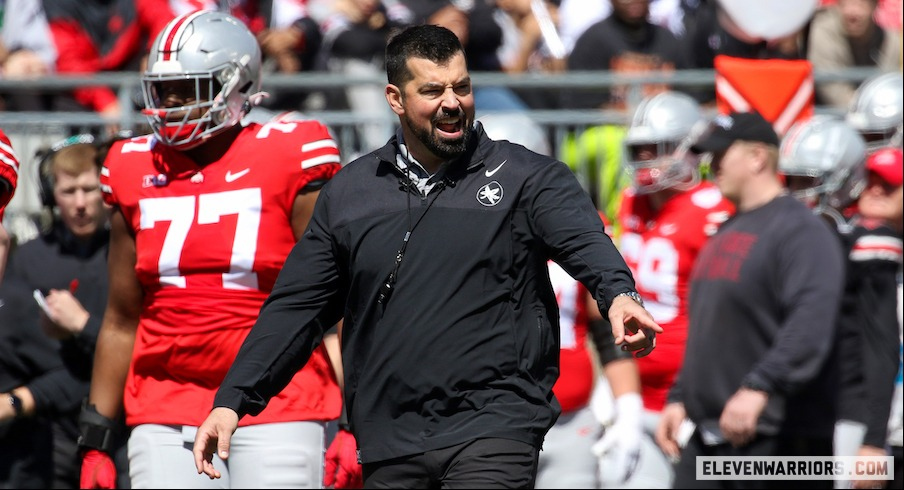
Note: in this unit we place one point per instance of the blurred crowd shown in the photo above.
(511, 36)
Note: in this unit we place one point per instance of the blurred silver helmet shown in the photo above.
(823, 162)
(657, 143)
(221, 56)
(516, 127)
(877, 109)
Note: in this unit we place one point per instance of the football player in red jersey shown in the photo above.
(666, 216)
(9, 176)
(206, 209)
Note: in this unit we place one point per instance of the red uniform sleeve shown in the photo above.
(9, 171)
(319, 154)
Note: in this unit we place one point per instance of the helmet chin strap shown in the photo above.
(254, 100)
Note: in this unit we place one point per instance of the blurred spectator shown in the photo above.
(846, 35)
(25, 45)
(474, 23)
(67, 264)
(290, 37)
(451, 14)
(290, 40)
(888, 12)
(531, 44)
(524, 47)
(354, 39)
(625, 42)
(26, 50)
(575, 16)
(92, 36)
(770, 273)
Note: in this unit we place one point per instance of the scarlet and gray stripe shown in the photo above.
(171, 37)
(8, 156)
(324, 151)
(877, 248)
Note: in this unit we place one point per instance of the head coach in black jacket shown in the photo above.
(433, 250)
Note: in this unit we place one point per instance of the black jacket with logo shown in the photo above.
(467, 344)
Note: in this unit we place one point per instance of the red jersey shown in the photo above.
(209, 244)
(9, 171)
(575, 383)
(660, 248)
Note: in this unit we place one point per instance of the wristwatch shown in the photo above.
(633, 295)
(16, 403)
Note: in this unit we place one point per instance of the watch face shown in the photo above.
(16, 403)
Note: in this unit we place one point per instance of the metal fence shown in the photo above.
(358, 130)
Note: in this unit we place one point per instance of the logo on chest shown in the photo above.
(490, 194)
(232, 177)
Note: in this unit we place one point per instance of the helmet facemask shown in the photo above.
(671, 166)
(189, 125)
(657, 145)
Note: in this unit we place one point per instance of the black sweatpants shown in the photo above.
(481, 463)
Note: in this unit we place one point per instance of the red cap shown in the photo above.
(887, 163)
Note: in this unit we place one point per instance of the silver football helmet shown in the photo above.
(877, 109)
(657, 143)
(217, 53)
(823, 160)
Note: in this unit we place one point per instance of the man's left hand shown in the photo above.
(740, 415)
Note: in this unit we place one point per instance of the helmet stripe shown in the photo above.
(173, 32)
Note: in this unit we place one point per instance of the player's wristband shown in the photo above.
(95, 430)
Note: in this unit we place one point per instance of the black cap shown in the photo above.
(726, 129)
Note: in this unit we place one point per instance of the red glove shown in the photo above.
(342, 469)
(98, 470)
